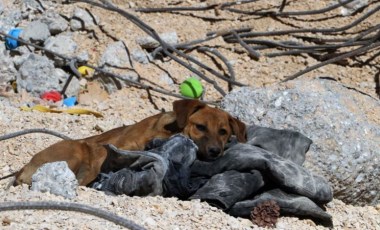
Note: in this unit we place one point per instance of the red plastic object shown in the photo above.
(52, 96)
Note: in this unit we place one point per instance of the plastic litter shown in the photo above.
(12, 43)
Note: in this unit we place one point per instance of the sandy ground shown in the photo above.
(130, 105)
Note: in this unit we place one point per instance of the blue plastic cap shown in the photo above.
(11, 43)
(70, 101)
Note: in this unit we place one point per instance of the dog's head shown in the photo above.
(210, 128)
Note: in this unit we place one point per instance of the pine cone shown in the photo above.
(266, 214)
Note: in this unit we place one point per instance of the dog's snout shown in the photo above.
(214, 151)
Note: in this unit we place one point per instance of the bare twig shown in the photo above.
(333, 60)
(173, 9)
(223, 59)
(252, 53)
(307, 30)
(282, 7)
(281, 13)
(28, 131)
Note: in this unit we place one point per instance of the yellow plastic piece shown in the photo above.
(73, 111)
(86, 71)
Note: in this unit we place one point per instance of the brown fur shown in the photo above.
(210, 129)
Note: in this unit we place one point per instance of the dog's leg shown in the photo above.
(95, 155)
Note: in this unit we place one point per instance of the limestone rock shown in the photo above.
(56, 178)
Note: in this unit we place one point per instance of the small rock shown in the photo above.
(55, 178)
(73, 88)
(212, 208)
(150, 43)
(112, 84)
(62, 44)
(83, 57)
(36, 32)
(150, 222)
(166, 79)
(6, 221)
(140, 56)
(81, 19)
(8, 71)
(233, 223)
(350, 8)
(186, 206)
(30, 6)
(115, 55)
(36, 75)
(116, 60)
(18, 60)
(10, 19)
(56, 23)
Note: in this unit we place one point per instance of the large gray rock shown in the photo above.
(55, 178)
(36, 32)
(37, 75)
(61, 44)
(343, 124)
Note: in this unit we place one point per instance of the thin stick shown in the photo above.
(280, 13)
(252, 53)
(333, 60)
(28, 131)
(309, 30)
(69, 206)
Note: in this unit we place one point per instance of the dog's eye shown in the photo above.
(222, 132)
(201, 127)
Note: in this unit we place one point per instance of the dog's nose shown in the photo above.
(214, 151)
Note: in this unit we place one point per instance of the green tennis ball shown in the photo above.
(191, 87)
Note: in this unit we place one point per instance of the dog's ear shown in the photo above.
(239, 129)
(184, 108)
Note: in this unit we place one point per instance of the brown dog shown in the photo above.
(210, 128)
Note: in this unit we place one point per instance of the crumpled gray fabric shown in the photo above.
(288, 144)
(180, 153)
(240, 186)
(169, 168)
(297, 205)
(141, 175)
(145, 173)
(282, 172)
